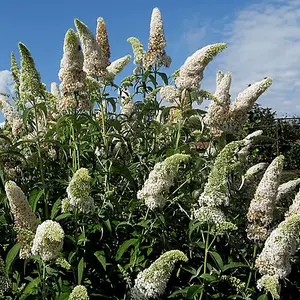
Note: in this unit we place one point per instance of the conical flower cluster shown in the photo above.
(102, 41)
(156, 47)
(5, 282)
(24, 218)
(15, 72)
(116, 67)
(79, 293)
(152, 282)
(191, 72)
(221, 117)
(73, 88)
(127, 104)
(161, 178)
(31, 87)
(48, 240)
(11, 115)
(79, 190)
(287, 188)
(138, 50)
(294, 209)
(260, 213)
(274, 261)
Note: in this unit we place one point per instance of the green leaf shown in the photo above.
(31, 288)
(11, 255)
(80, 270)
(100, 255)
(55, 209)
(125, 245)
(263, 297)
(193, 291)
(217, 258)
(233, 265)
(63, 216)
(208, 277)
(164, 77)
(34, 197)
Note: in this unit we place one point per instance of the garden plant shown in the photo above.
(107, 191)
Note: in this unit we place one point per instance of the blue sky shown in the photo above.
(263, 38)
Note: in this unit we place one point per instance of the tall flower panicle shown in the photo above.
(24, 218)
(287, 188)
(48, 240)
(55, 91)
(79, 190)
(156, 47)
(5, 282)
(260, 213)
(152, 282)
(31, 87)
(216, 191)
(191, 72)
(219, 108)
(116, 67)
(274, 260)
(15, 72)
(239, 110)
(161, 178)
(93, 64)
(79, 293)
(11, 115)
(138, 50)
(294, 209)
(102, 40)
(170, 93)
(73, 88)
(127, 105)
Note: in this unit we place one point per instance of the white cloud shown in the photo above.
(263, 40)
(6, 82)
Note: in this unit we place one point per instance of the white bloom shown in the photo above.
(209, 214)
(260, 213)
(48, 240)
(11, 115)
(78, 191)
(79, 293)
(254, 170)
(274, 260)
(161, 178)
(216, 116)
(239, 110)
(93, 64)
(191, 72)
(294, 209)
(170, 94)
(116, 67)
(286, 188)
(138, 50)
(55, 90)
(102, 40)
(152, 282)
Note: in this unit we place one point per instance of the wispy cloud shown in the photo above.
(6, 82)
(264, 40)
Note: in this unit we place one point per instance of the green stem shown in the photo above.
(44, 292)
(207, 247)
(252, 266)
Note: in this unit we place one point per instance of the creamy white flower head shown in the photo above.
(79, 190)
(79, 293)
(156, 47)
(127, 104)
(170, 94)
(102, 40)
(48, 240)
(244, 102)
(209, 214)
(281, 245)
(71, 73)
(161, 178)
(11, 115)
(5, 282)
(20, 208)
(216, 191)
(254, 170)
(55, 90)
(152, 282)
(286, 188)
(294, 209)
(191, 72)
(216, 116)
(260, 213)
(93, 64)
(116, 67)
(138, 50)
(250, 136)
